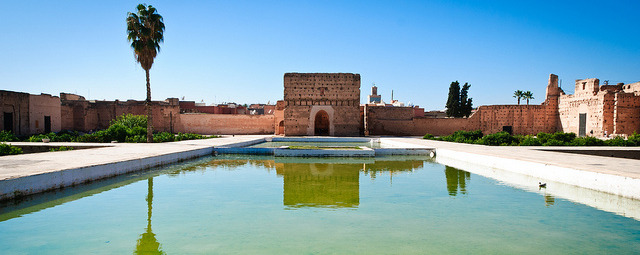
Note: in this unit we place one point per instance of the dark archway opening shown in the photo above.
(280, 128)
(321, 123)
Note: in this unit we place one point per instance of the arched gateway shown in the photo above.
(321, 123)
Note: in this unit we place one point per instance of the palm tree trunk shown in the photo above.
(149, 113)
(518, 101)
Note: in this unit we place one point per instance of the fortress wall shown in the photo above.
(227, 124)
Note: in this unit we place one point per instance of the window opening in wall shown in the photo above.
(584, 85)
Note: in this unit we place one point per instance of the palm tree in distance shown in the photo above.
(518, 94)
(145, 31)
(527, 95)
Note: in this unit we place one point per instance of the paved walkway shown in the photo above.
(599, 164)
(16, 166)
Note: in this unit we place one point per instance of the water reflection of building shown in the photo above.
(320, 184)
(456, 180)
(391, 167)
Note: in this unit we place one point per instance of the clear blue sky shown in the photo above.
(238, 51)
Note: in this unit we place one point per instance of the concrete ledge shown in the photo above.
(68, 177)
(614, 184)
(363, 152)
(620, 205)
(403, 151)
(244, 150)
(314, 139)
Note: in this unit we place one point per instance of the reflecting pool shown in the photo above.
(234, 204)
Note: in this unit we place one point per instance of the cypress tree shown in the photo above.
(453, 102)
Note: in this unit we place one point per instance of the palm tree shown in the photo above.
(518, 94)
(145, 31)
(527, 95)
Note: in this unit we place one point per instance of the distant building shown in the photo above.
(374, 98)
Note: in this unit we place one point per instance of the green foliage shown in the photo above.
(501, 138)
(6, 136)
(462, 136)
(619, 141)
(101, 136)
(635, 138)
(190, 136)
(62, 148)
(8, 149)
(530, 141)
(130, 121)
(163, 137)
(458, 103)
(587, 141)
(541, 139)
(428, 136)
(117, 132)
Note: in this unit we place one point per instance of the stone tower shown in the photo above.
(322, 104)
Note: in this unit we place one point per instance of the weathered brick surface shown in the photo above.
(338, 94)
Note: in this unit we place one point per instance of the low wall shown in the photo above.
(226, 124)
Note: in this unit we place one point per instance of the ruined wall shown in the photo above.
(16, 106)
(626, 114)
(278, 114)
(41, 106)
(83, 115)
(228, 124)
(523, 119)
(334, 94)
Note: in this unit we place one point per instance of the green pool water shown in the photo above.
(265, 205)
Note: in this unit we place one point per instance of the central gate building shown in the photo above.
(322, 104)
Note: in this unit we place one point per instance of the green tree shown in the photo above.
(458, 103)
(145, 30)
(453, 102)
(527, 95)
(465, 102)
(518, 94)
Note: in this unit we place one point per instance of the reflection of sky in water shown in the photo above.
(281, 205)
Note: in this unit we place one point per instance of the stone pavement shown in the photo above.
(599, 164)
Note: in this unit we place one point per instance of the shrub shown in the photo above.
(117, 132)
(587, 141)
(137, 139)
(135, 131)
(530, 141)
(553, 142)
(189, 136)
(500, 138)
(563, 137)
(619, 141)
(130, 121)
(635, 138)
(6, 136)
(163, 137)
(428, 136)
(96, 137)
(462, 136)
(543, 137)
(62, 148)
(8, 149)
(39, 137)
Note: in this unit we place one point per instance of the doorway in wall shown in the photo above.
(321, 124)
(508, 129)
(8, 121)
(47, 124)
(582, 126)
